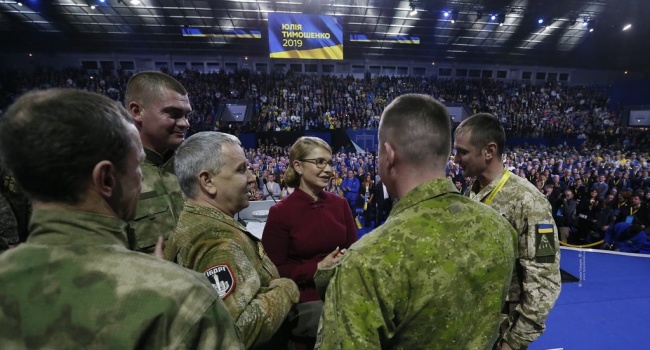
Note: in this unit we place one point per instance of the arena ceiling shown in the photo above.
(155, 26)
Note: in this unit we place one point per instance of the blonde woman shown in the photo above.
(311, 227)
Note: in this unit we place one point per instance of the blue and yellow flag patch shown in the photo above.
(544, 228)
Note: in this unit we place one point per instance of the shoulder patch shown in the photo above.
(222, 279)
(545, 243)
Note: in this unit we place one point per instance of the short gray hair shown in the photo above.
(201, 151)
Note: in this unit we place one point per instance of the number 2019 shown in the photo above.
(292, 42)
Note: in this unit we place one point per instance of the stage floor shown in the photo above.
(608, 309)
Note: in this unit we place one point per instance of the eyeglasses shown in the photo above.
(320, 163)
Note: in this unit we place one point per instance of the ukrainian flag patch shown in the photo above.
(545, 243)
(545, 228)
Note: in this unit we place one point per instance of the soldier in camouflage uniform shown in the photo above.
(74, 283)
(535, 284)
(435, 274)
(159, 106)
(213, 174)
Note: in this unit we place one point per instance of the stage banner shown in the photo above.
(293, 35)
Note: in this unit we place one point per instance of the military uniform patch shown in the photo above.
(222, 279)
(544, 243)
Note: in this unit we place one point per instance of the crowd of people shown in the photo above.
(133, 183)
(291, 101)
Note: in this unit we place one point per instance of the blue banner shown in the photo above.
(293, 35)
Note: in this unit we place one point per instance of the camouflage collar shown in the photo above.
(157, 159)
(487, 189)
(58, 227)
(213, 213)
(424, 191)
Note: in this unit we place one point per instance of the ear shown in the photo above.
(103, 179)
(391, 156)
(136, 110)
(296, 166)
(207, 183)
(490, 151)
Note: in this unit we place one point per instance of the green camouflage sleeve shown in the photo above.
(539, 256)
(322, 279)
(225, 335)
(258, 311)
(356, 313)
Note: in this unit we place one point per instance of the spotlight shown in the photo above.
(493, 17)
(627, 26)
(590, 25)
(446, 13)
(454, 16)
(414, 11)
(479, 14)
(135, 2)
(92, 7)
(540, 21)
(19, 3)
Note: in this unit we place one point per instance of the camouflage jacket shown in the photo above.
(233, 260)
(160, 204)
(74, 284)
(433, 276)
(535, 282)
(18, 204)
(8, 225)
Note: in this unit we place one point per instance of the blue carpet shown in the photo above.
(607, 309)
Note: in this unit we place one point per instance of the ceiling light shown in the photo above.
(19, 3)
(590, 25)
(493, 17)
(414, 11)
(446, 13)
(454, 16)
(135, 2)
(540, 21)
(627, 26)
(92, 7)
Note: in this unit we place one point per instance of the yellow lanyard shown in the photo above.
(633, 212)
(497, 188)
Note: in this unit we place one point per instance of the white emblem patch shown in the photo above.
(222, 279)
